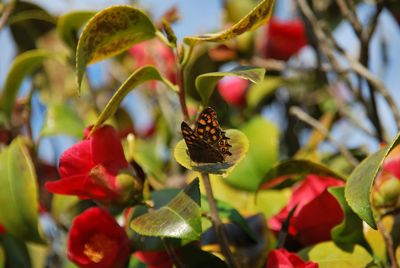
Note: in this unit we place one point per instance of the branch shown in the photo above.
(300, 114)
(6, 14)
(217, 224)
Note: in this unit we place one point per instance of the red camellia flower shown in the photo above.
(233, 90)
(316, 214)
(155, 259)
(281, 258)
(2, 229)
(154, 52)
(95, 240)
(284, 38)
(89, 168)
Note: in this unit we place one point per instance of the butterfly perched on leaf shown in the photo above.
(207, 143)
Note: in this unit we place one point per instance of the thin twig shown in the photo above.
(217, 224)
(300, 114)
(351, 16)
(389, 244)
(6, 14)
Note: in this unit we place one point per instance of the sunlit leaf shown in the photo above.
(62, 119)
(110, 32)
(255, 18)
(299, 168)
(328, 255)
(68, 26)
(140, 76)
(180, 218)
(19, 193)
(24, 65)
(239, 148)
(206, 83)
(350, 231)
(263, 152)
(360, 182)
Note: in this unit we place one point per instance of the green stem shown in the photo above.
(217, 224)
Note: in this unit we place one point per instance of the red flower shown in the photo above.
(89, 168)
(233, 90)
(284, 38)
(2, 229)
(316, 214)
(154, 52)
(95, 240)
(281, 258)
(155, 259)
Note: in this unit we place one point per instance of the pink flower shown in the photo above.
(284, 38)
(233, 90)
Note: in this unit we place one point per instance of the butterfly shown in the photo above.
(207, 143)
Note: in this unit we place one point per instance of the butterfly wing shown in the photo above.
(208, 129)
(199, 150)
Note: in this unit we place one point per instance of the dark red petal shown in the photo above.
(76, 160)
(107, 149)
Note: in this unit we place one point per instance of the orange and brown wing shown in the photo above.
(199, 150)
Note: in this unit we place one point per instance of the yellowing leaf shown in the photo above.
(254, 19)
(110, 32)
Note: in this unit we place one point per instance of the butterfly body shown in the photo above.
(207, 143)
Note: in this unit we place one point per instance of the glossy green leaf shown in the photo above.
(265, 88)
(19, 193)
(263, 153)
(62, 119)
(360, 182)
(254, 19)
(328, 255)
(110, 32)
(298, 167)
(205, 83)
(350, 232)
(239, 143)
(140, 76)
(24, 65)
(69, 24)
(180, 218)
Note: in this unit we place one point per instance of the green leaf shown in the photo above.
(298, 167)
(24, 65)
(19, 193)
(62, 119)
(239, 143)
(350, 231)
(180, 218)
(110, 32)
(265, 88)
(360, 182)
(69, 24)
(16, 252)
(140, 76)
(227, 212)
(328, 255)
(206, 83)
(254, 19)
(263, 153)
